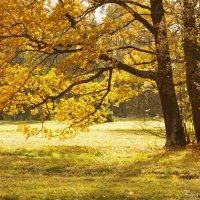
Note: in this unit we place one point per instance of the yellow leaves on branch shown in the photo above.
(46, 48)
(12, 77)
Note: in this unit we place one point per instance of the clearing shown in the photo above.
(113, 161)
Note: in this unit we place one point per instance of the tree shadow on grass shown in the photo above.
(179, 163)
(143, 175)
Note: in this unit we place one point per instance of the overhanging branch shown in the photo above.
(125, 1)
(136, 15)
(100, 101)
(69, 88)
(131, 47)
(140, 73)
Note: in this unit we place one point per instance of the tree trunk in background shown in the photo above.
(173, 123)
(190, 46)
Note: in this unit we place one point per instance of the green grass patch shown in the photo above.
(107, 164)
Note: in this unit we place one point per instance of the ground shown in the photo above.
(114, 161)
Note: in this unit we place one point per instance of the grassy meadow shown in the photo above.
(113, 161)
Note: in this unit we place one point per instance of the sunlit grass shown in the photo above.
(138, 133)
(111, 161)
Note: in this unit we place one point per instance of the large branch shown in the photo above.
(69, 88)
(41, 45)
(140, 73)
(133, 48)
(100, 100)
(124, 1)
(136, 15)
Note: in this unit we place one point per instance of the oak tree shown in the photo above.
(70, 63)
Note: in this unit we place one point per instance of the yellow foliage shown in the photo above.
(49, 60)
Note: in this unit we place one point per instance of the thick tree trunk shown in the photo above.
(173, 123)
(174, 130)
(191, 63)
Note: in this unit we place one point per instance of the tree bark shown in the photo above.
(174, 129)
(191, 52)
(175, 135)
